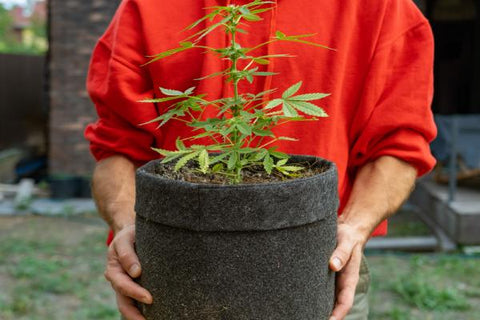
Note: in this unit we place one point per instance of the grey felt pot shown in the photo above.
(237, 252)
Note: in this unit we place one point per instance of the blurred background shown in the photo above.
(52, 242)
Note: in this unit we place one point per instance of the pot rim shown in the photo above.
(329, 171)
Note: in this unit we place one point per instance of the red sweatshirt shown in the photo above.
(379, 77)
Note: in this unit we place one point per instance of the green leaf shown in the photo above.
(261, 61)
(169, 92)
(186, 44)
(163, 152)
(288, 110)
(183, 161)
(268, 164)
(264, 74)
(292, 168)
(251, 17)
(159, 100)
(244, 128)
(179, 144)
(171, 158)
(260, 155)
(189, 91)
(218, 168)
(310, 96)
(280, 35)
(292, 90)
(278, 154)
(218, 158)
(232, 160)
(308, 108)
(281, 162)
(262, 133)
(203, 160)
(287, 139)
(272, 104)
(216, 74)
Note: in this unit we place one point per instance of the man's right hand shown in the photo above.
(122, 266)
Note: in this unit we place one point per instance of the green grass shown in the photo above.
(425, 286)
(52, 268)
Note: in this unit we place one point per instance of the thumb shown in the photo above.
(341, 255)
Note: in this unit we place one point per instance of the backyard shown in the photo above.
(52, 268)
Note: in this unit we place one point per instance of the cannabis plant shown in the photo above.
(241, 134)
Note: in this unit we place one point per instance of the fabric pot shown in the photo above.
(240, 252)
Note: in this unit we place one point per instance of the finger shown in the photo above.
(127, 308)
(347, 281)
(127, 256)
(124, 285)
(341, 255)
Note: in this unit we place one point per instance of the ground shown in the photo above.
(52, 268)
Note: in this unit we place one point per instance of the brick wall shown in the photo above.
(75, 26)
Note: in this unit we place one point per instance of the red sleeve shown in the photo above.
(394, 117)
(115, 82)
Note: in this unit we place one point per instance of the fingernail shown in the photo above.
(337, 264)
(146, 300)
(134, 270)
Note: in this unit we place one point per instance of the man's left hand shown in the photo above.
(346, 261)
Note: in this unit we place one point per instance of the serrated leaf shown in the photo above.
(218, 158)
(292, 90)
(189, 91)
(288, 110)
(260, 155)
(268, 164)
(281, 162)
(262, 133)
(308, 108)
(278, 154)
(251, 17)
(159, 100)
(310, 96)
(292, 168)
(171, 158)
(170, 92)
(280, 35)
(261, 61)
(183, 160)
(244, 128)
(217, 168)
(232, 160)
(203, 161)
(163, 152)
(272, 104)
(179, 144)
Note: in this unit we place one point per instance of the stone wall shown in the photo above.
(75, 26)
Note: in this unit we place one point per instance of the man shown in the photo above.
(378, 132)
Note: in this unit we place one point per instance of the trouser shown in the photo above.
(360, 307)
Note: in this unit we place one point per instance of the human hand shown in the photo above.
(346, 260)
(122, 266)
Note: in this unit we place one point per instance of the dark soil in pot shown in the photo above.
(250, 251)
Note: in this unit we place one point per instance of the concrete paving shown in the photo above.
(49, 207)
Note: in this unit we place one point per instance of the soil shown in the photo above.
(251, 175)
